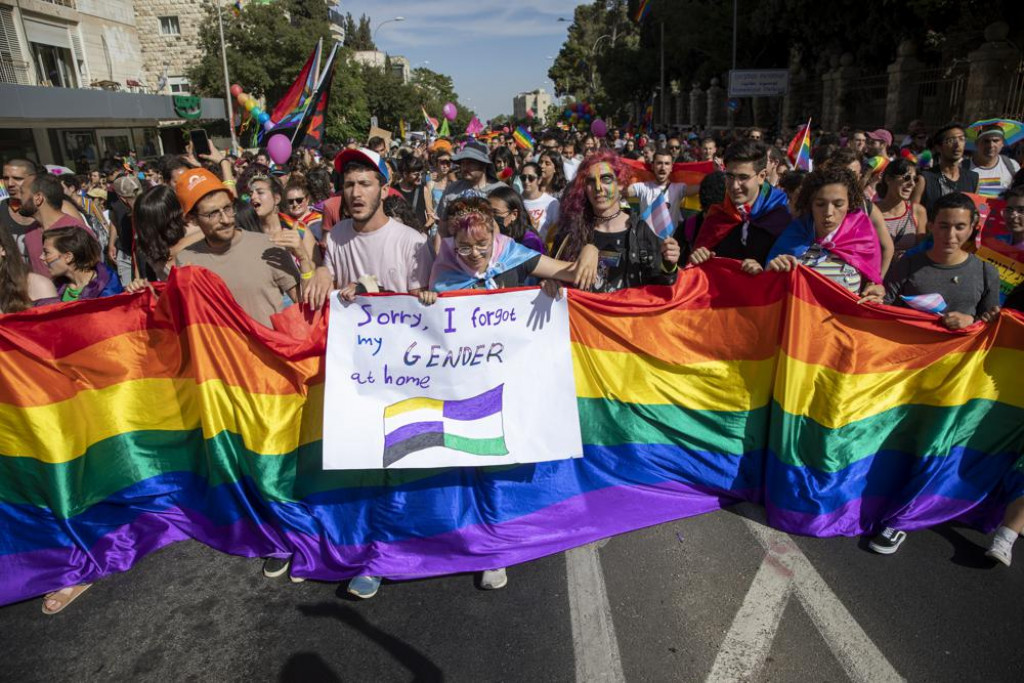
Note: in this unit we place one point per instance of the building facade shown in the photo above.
(169, 36)
(380, 60)
(536, 101)
(74, 84)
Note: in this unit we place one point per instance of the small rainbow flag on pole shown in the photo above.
(431, 126)
(523, 138)
(799, 151)
(641, 10)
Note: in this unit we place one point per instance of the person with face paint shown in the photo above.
(753, 215)
(948, 175)
(594, 222)
(831, 235)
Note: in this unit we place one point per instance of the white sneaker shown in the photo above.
(493, 579)
(364, 587)
(1001, 550)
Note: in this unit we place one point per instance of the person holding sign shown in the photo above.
(478, 256)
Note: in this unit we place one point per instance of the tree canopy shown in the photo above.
(293, 27)
(614, 71)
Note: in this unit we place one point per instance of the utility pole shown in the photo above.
(663, 99)
(227, 82)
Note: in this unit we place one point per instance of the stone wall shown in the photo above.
(175, 53)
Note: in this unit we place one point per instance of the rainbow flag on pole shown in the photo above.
(131, 422)
(290, 109)
(430, 123)
(523, 138)
(799, 151)
(642, 8)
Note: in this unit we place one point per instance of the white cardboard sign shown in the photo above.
(471, 381)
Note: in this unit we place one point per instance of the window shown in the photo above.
(179, 85)
(53, 65)
(169, 26)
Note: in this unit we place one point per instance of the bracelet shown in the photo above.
(307, 276)
(229, 183)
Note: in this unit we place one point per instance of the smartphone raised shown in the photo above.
(200, 142)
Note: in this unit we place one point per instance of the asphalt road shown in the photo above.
(716, 597)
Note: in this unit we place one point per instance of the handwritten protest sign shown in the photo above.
(1011, 271)
(472, 380)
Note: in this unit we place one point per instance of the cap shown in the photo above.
(196, 183)
(364, 156)
(882, 135)
(127, 186)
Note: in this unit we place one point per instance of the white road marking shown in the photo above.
(786, 570)
(595, 646)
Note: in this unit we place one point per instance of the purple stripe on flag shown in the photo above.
(410, 430)
(487, 403)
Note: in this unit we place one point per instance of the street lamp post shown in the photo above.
(227, 80)
(386, 21)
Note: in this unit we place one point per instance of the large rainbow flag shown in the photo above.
(132, 422)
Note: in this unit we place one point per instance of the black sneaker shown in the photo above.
(888, 542)
(274, 567)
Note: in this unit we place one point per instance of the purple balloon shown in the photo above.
(279, 147)
(599, 128)
(450, 111)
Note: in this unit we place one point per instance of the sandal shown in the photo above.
(64, 597)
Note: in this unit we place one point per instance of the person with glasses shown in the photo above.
(257, 272)
(916, 140)
(541, 207)
(410, 185)
(1013, 215)
(298, 210)
(753, 215)
(477, 177)
(675, 148)
(948, 175)
(905, 221)
(441, 176)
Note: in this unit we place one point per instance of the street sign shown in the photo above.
(758, 82)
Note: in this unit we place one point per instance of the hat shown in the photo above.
(881, 135)
(474, 151)
(53, 169)
(363, 156)
(98, 193)
(990, 129)
(194, 184)
(441, 145)
(127, 186)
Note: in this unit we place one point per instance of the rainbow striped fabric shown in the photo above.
(799, 150)
(642, 8)
(130, 422)
(523, 138)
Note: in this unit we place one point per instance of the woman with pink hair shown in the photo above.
(595, 221)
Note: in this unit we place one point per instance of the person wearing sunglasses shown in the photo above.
(414, 192)
(906, 222)
(541, 207)
(298, 209)
(441, 176)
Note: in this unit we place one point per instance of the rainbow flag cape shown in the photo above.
(290, 109)
(523, 138)
(131, 422)
(642, 8)
(799, 150)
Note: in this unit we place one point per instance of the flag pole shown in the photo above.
(316, 88)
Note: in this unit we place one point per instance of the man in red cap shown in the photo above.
(258, 272)
(878, 143)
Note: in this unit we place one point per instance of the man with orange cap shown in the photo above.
(258, 272)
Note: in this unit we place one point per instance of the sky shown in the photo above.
(492, 49)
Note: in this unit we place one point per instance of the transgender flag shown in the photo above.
(472, 425)
(659, 217)
(928, 303)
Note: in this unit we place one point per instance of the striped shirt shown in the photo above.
(832, 267)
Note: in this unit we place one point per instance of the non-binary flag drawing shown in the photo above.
(471, 425)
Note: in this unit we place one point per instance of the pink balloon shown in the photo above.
(279, 147)
(450, 111)
(599, 128)
(268, 126)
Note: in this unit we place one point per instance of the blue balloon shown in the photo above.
(263, 117)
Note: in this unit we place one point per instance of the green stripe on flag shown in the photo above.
(476, 446)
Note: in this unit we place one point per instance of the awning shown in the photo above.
(47, 34)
